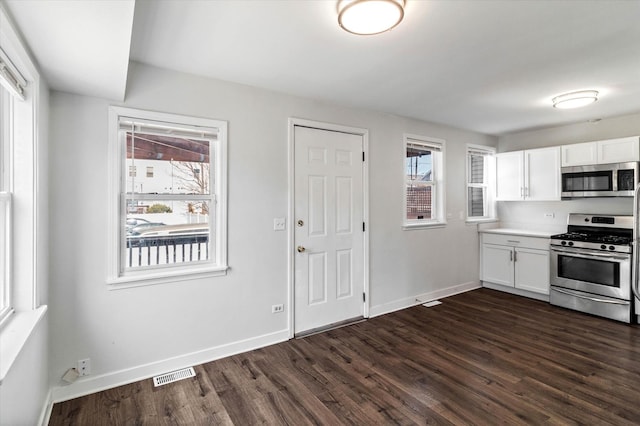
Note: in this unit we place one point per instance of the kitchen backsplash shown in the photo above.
(552, 215)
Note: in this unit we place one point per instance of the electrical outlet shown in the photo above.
(277, 309)
(279, 224)
(84, 367)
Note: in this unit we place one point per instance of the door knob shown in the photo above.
(301, 249)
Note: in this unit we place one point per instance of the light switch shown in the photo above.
(279, 224)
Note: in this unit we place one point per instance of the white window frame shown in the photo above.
(27, 229)
(438, 146)
(488, 185)
(6, 222)
(118, 277)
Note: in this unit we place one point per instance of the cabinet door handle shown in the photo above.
(515, 256)
(511, 256)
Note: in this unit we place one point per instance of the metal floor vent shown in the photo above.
(174, 376)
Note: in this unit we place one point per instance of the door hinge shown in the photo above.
(363, 227)
(364, 297)
(363, 156)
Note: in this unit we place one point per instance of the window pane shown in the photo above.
(419, 165)
(173, 165)
(476, 168)
(4, 223)
(476, 202)
(164, 232)
(419, 201)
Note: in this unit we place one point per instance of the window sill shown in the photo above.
(154, 278)
(14, 336)
(416, 226)
(487, 220)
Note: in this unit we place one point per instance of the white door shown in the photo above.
(328, 223)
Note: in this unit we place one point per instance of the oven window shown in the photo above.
(589, 270)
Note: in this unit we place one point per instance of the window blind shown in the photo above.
(165, 129)
(423, 146)
(10, 78)
(481, 152)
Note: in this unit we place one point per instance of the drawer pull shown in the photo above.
(513, 241)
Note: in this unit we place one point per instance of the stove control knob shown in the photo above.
(564, 243)
(612, 248)
(603, 247)
(570, 243)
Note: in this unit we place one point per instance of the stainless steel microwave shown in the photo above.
(600, 180)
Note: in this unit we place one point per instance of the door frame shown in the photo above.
(293, 121)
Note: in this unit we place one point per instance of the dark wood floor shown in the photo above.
(482, 357)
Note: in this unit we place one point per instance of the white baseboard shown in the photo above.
(89, 385)
(397, 305)
(516, 291)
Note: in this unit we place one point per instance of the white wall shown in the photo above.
(532, 214)
(24, 391)
(134, 332)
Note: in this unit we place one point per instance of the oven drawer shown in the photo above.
(603, 306)
(516, 241)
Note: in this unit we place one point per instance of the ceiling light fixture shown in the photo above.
(575, 99)
(369, 17)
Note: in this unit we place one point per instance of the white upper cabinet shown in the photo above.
(579, 154)
(602, 152)
(532, 175)
(510, 176)
(619, 150)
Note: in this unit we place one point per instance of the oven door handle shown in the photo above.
(590, 254)
(593, 299)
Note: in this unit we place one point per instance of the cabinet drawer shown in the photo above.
(516, 241)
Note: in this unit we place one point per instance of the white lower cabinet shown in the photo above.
(516, 262)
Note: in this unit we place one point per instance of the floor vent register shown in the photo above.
(174, 376)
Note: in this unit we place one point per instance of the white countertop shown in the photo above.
(522, 232)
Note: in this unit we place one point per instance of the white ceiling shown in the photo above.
(488, 66)
(80, 46)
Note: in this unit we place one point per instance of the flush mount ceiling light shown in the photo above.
(575, 99)
(368, 17)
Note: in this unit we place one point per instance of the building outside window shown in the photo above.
(171, 220)
(424, 183)
(480, 183)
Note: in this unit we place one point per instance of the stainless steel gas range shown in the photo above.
(591, 266)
